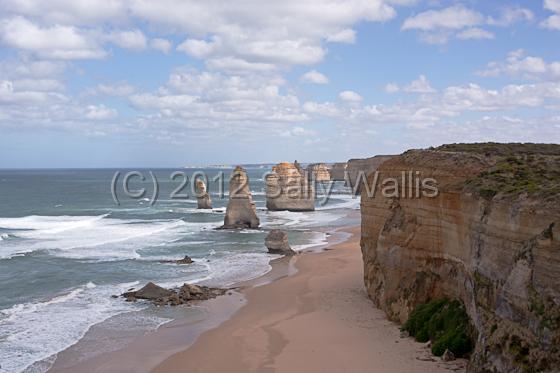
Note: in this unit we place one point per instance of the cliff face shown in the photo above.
(240, 211)
(337, 171)
(288, 188)
(498, 254)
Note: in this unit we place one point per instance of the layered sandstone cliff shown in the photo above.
(491, 238)
(288, 188)
(240, 211)
(338, 170)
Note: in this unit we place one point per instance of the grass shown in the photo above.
(443, 322)
(532, 169)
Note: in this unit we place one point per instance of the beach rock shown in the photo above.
(186, 260)
(490, 237)
(447, 356)
(151, 292)
(277, 243)
(202, 197)
(161, 297)
(338, 171)
(288, 188)
(240, 211)
(319, 172)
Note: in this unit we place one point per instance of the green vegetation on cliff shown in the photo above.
(514, 169)
(443, 322)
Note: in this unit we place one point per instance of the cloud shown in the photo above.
(454, 17)
(350, 96)
(392, 88)
(459, 22)
(553, 21)
(475, 33)
(55, 42)
(199, 48)
(518, 64)
(129, 39)
(161, 45)
(420, 85)
(100, 112)
(118, 89)
(298, 132)
(343, 36)
(314, 77)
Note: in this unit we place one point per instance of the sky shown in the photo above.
(170, 83)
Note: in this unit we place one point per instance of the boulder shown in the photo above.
(448, 356)
(151, 292)
(202, 197)
(277, 243)
(240, 211)
(288, 188)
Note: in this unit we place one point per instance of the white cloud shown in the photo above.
(238, 66)
(162, 45)
(420, 85)
(553, 21)
(100, 112)
(298, 132)
(128, 39)
(518, 64)
(118, 89)
(314, 77)
(56, 42)
(454, 17)
(199, 48)
(350, 96)
(392, 88)
(459, 22)
(475, 33)
(343, 36)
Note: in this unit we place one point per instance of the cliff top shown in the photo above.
(517, 168)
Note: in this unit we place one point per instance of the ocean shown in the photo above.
(66, 246)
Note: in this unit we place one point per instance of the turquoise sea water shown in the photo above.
(66, 247)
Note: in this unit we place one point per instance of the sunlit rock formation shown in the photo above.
(490, 238)
(202, 197)
(240, 211)
(319, 172)
(288, 188)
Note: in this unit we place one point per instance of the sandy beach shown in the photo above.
(318, 320)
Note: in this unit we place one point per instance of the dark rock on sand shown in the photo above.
(277, 243)
(161, 297)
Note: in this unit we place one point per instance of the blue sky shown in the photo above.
(171, 83)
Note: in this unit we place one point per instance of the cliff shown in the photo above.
(240, 211)
(490, 238)
(288, 188)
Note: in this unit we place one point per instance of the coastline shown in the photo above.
(309, 312)
(318, 319)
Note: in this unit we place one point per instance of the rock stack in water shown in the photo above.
(288, 188)
(319, 172)
(202, 196)
(277, 243)
(240, 212)
(338, 170)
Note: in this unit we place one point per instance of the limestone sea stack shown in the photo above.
(240, 211)
(338, 170)
(277, 243)
(288, 188)
(319, 172)
(202, 197)
(490, 238)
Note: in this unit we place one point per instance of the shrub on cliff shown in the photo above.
(443, 322)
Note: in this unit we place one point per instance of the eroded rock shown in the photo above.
(240, 211)
(288, 188)
(173, 297)
(277, 243)
(202, 197)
